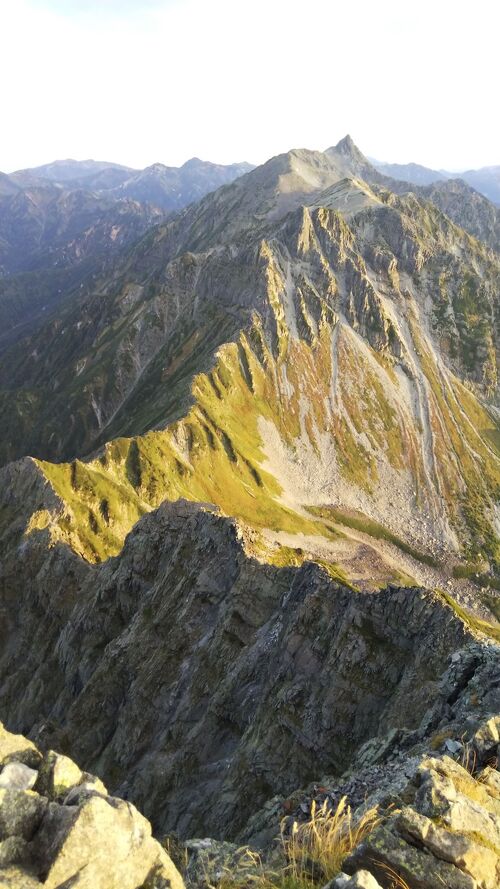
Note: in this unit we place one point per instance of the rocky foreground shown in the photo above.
(59, 827)
(435, 792)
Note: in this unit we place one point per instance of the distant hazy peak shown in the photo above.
(348, 150)
(415, 174)
(68, 168)
(7, 185)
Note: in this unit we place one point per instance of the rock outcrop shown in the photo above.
(444, 830)
(60, 828)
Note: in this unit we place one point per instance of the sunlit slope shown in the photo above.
(340, 391)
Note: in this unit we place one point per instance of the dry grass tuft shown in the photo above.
(397, 881)
(313, 851)
(468, 760)
(317, 848)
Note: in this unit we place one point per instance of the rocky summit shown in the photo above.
(249, 526)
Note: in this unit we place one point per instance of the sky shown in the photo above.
(145, 81)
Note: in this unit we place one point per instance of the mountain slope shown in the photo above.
(74, 215)
(357, 337)
(485, 180)
(51, 240)
(256, 435)
(469, 209)
(47, 227)
(172, 188)
(461, 202)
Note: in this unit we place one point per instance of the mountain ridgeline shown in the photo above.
(250, 480)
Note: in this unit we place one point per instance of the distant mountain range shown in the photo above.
(64, 220)
(167, 188)
(486, 180)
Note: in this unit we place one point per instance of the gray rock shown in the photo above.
(363, 879)
(486, 739)
(57, 775)
(17, 776)
(102, 844)
(16, 748)
(340, 882)
(212, 861)
(21, 812)
(14, 850)
(477, 860)
(18, 878)
(384, 849)
(83, 791)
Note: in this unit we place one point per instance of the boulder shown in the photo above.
(84, 790)
(14, 850)
(57, 775)
(486, 739)
(18, 878)
(363, 879)
(447, 835)
(78, 836)
(384, 851)
(21, 812)
(438, 798)
(491, 780)
(102, 844)
(467, 854)
(18, 749)
(17, 776)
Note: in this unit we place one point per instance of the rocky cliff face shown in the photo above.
(434, 817)
(199, 682)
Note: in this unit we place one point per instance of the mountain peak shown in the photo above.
(346, 144)
(348, 148)
(193, 162)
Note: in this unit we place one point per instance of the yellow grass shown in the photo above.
(313, 851)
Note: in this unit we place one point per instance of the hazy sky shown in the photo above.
(139, 81)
